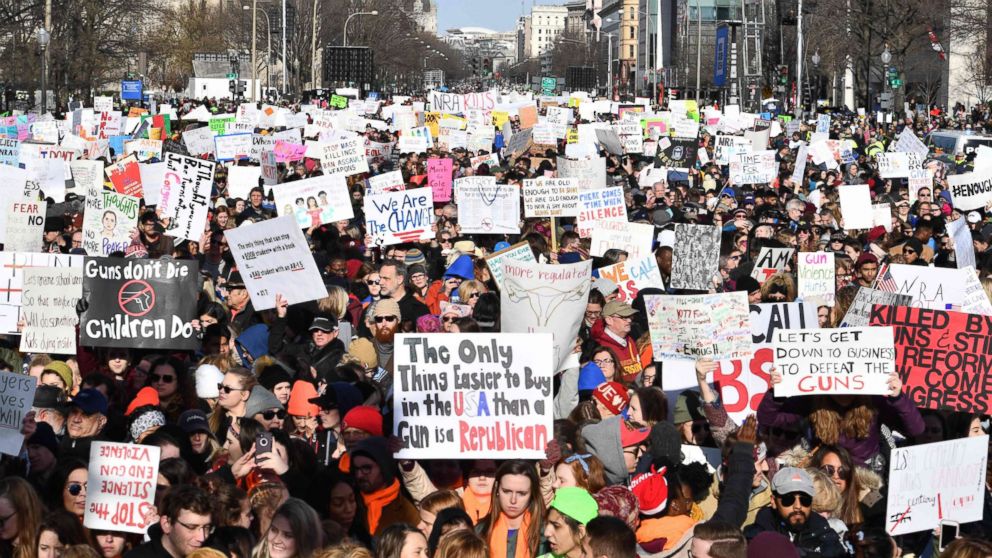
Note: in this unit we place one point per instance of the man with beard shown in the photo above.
(384, 321)
(393, 277)
(791, 515)
(374, 470)
(151, 235)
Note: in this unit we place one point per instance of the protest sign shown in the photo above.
(521, 252)
(590, 173)
(16, 400)
(696, 256)
(12, 267)
(690, 327)
(315, 201)
(941, 356)
(897, 165)
(854, 360)
(475, 395)
(274, 258)
(971, 190)
(634, 238)
(144, 149)
(930, 287)
(185, 194)
(816, 277)
(49, 309)
(108, 222)
(633, 275)
(232, 147)
(823, 123)
(25, 226)
(199, 141)
(397, 217)
(125, 175)
(9, 151)
(859, 313)
(551, 197)
(240, 180)
(344, 156)
(976, 301)
(598, 206)
(678, 154)
(909, 143)
(727, 148)
(855, 206)
(287, 152)
(919, 179)
(386, 182)
(559, 118)
(771, 261)
(485, 207)
(87, 176)
(757, 167)
(120, 493)
(439, 178)
(538, 298)
(800, 169)
(931, 483)
(140, 303)
(744, 382)
(964, 248)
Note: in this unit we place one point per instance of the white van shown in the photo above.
(953, 142)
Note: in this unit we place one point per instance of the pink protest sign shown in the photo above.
(286, 151)
(439, 177)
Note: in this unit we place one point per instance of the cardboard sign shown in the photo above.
(759, 167)
(940, 356)
(476, 395)
(597, 206)
(25, 226)
(185, 194)
(590, 173)
(743, 383)
(397, 217)
(108, 221)
(633, 275)
(232, 147)
(12, 267)
(485, 207)
(345, 157)
(16, 400)
(386, 182)
(440, 179)
(971, 190)
(520, 252)
(929, 483)
(545, 298)
(634, 238)
(315, 201)
(49, 309)
(274, 258)
(696, 256)
(140, 303)
(855, 206)
(551, 197)
(854, 360)
(690, 327)
(816, 277)
(859, 313)
(121, 486)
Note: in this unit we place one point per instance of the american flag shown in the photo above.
(884, 280)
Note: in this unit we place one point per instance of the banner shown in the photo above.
(854, 360)
(971, 190)
(598, 206)
(274, 258)
(816, 277)
(397, 217)
(931, 287)
(345, 157)
(485, 207)
(49, 309)
(475, 395)
(140, 303)
(16, 400)
(125, 176)
(185, 195)
(941, 356)
(743, 383)
(108, 221)
(544, 298)
(633, 275)
(520, 252)
(634, 238)
(859, 313)
(25, 226)
(121, 486)
(690, 327)
(696, 256)
(551, 197)
(929, 483)
(315, 201)
(759, 167)
(439, 178)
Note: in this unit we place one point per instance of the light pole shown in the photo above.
(43, 39)
(886, 58)
(268, 49)
(799, 60)
(815, 59)
(347, 21)
(254, 31)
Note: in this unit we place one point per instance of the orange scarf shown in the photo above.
(476, 505)
(378, 500)
(498, 539)
(344, 464)
(670, 528)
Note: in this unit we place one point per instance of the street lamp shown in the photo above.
(43, 39)
(347, 21)
(268, 49)
(886, 58)
(815, 59)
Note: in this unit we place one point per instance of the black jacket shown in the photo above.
(816, 539)
(151, 549)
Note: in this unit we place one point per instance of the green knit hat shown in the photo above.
(62, 369)
(576, 503)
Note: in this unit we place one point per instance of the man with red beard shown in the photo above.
(384, 321)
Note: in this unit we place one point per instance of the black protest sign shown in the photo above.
(679, 154)
(139, 303)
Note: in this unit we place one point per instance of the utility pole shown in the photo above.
(799, 61)
(254, 36)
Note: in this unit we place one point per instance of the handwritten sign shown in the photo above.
(597, 206)
(840, 361)
(397, 217)
(16, 399)
(485, 207)
(439, 178)
(344, 156)
(690, 327)
(315, 201)
(184, 195)
(758, 167)
(520, 252)
(634, 238)
(816, 277)
(121, 486)
(49, 309)
(108, 221)
(633, 275)
(551, 197)
(25, 226)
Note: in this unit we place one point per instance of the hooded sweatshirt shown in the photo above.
(603, 441)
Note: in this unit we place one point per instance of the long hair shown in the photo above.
(462, 544)
(305, 526)
(29, 510)
(535, 507)
(219, 414)
(828, 422)
(389, 543)
(850, 509)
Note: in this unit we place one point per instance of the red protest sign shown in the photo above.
(125, 175)
(942, 357)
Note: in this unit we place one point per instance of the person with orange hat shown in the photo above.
(302, 411)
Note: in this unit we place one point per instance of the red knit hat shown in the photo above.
(299, 400)
(613, 396)
(365, 418)
(147, 396)
(651, 490)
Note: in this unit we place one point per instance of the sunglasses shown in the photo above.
(390, 319)
(165, 379)
(475, 295)
(371, 281)
(805, 500)
(273, 413)
(908, 251)
(76, 488)
(835, 471)
(228, 389)
(448, 319)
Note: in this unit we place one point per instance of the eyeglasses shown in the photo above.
(602, 361)
(165, 379)
(840, 472)
(448, 319)
(390, 319)
(908, 251)
(4, 520)
(207, 529)
(228, 389)
(805, 500)
(371, 281)
(76, 488)
(635, 451)
(273, 413)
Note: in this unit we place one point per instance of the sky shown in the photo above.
(498, 15)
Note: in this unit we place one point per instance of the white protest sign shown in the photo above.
(971, 190)
(800, 170)
(632, 276)
(634, 238)
(475, 395)
(103, 104)
(12, 267)
(16, 400)
(520, 252)
(274, 258)
(25, 226)
(108, 222)
(771, 261)
(49, 309)
(397, 217)
(855, 206)
(758, 167)
(559, 118)
(551, 197)
(240, 180)
(690, 327)
(545, 298)
(591, 173)
(344, 156)
(233, 146)
(485, 207)
(929, 483)
(897, 165)
(597, 206)
(386, 182)
(199, 141)
(87, 175)
(909, 143)
(816, 277)
(121, 486)
(964, 248)
(854, 360)
(185, 194)
(315, 201)
(919, 179)
(931, 287)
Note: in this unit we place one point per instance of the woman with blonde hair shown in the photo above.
(470, 291)
(462, 544)
(336, 304)
(20, 517)
(346, 549)
(827, 500)
(434, 503)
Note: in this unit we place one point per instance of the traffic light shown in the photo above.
(783, 74)
(475, 65)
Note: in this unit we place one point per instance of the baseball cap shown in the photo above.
(617, 308)
(90, 401)
(632, 436)
(324, 323)
(974, 217)
(193, 421)
(792, 479)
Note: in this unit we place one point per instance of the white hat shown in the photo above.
(974, 217)
(666, 238)
(208, 377)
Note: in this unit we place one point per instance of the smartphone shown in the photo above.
(948, 532)
(263, 443)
